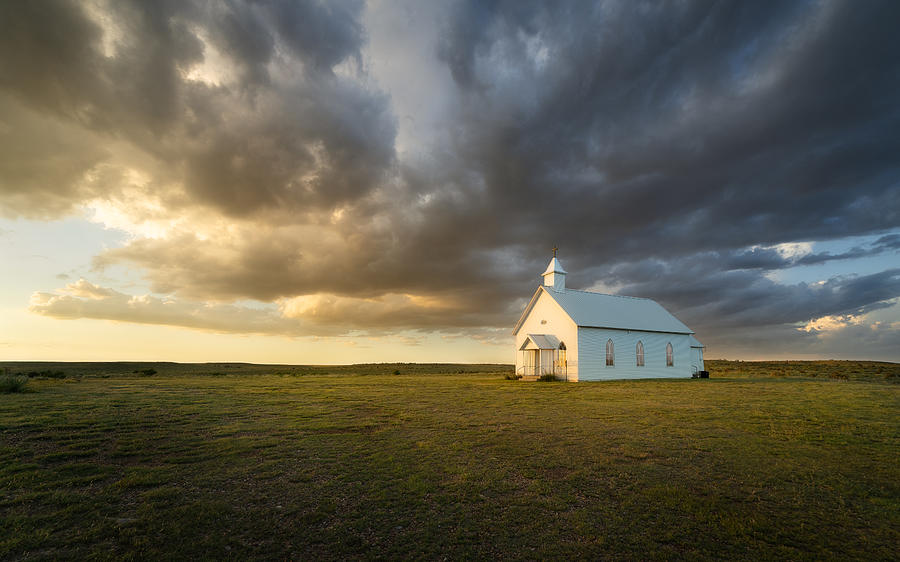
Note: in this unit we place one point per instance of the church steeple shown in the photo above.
(555, 275)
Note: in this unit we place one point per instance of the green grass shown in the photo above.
(368, 464)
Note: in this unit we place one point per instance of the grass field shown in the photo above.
(237, 461)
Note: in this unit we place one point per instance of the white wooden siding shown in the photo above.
(592, 354)
(697, 358)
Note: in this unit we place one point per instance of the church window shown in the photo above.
(639, 353)
(670, 355)
(610, 355)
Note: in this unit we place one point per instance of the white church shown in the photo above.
(585, 336)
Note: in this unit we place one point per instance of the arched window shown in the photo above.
(639, 354)
(670, 355)
(610, 355)
(562, 354)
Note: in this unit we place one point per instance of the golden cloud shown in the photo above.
(312, 315)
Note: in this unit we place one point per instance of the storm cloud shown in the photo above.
(270, 151)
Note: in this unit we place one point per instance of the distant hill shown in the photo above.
(828, 369)
(119, 368)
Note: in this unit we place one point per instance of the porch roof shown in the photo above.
(540, 341)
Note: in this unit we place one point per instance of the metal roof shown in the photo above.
(541, 341)
(695, 342)
(597, 310)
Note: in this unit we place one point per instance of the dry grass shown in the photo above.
(832, 369)
(363, 465)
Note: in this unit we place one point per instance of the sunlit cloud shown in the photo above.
(84, 300)
(792, 250)
(313, 315)
(831, 323)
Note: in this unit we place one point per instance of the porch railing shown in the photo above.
(556, 368)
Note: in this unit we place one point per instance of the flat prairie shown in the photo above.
(796, 460)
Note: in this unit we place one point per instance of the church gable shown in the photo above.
(542, 314)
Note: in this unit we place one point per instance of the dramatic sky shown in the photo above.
(348, 181)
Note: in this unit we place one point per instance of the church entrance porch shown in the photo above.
(542, 354)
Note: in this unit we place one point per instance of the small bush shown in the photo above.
(47, 374)
(12, 383)
(148, 372)
(397, 371)
(512, 376)
(547, 378)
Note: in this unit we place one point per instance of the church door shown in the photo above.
(532, 362)
(546, 362)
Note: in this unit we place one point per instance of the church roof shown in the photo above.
(597, 310)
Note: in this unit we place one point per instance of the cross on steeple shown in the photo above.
(554, 251)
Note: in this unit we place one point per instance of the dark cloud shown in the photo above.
(325, 33)
(774, 258)
(668, 149)
(677, 129)
(744, 312)
(885, 244)
(47, 50)
(309, 138)
(709, 297)
(850, 341)
(243, 33)
(42, 160)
